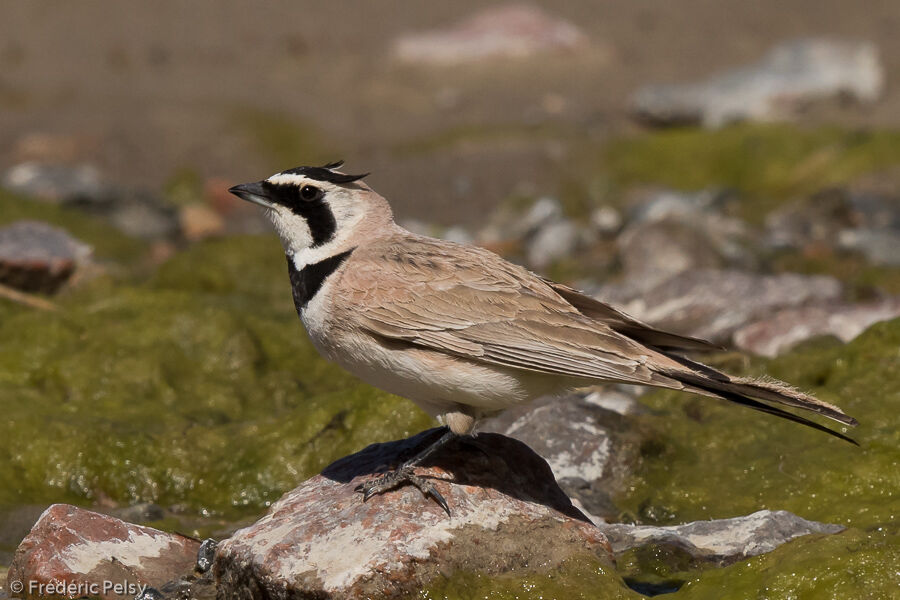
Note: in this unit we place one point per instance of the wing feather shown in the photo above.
(479, 307)
(619, 321)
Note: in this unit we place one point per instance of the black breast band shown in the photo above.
(306, 282)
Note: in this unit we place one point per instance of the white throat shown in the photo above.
(342, 241)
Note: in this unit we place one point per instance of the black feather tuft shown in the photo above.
(325, 173)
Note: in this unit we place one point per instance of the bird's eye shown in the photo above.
(309, 193)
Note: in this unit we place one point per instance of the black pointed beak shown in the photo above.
(252, 192)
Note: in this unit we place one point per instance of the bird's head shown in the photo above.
(318, 210)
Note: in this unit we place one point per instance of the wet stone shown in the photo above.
(777, 333)
(712, 304)
(588, 439)
(108, 558)
(56, 183)
(552, 242)
(37, 257)
(791, 76)
(670, 232)
(851, 218)
(879, 246)
(652, 253)
(321, 540)
(720, 541)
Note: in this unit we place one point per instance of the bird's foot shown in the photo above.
(398, 477)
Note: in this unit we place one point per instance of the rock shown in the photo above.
(321, 540)
(545, 232)
(458, 234)
(206, 554)
(134, 212)
(842, 219)
(651, 205)
(509, 222)
(792, 75)
(670, 232)
(722, 541)
(544, 211)
(651, 253)
(879, 246)
(140, 215)
(92, 553)
(712, 304)
(586, 437)
(777, 333)
(513, 30)
(55, 183)
(817, 219)
(606, 220)
(839, 218)
(37, 257)
(199, 222)
(552, 242)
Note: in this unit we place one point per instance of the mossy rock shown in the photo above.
(575, 579)
(769, 163)
(198, 388)
(711, 460)
(853, 564)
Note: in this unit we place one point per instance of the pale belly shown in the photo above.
(436, 382)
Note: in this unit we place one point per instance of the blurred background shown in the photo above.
(725, 169)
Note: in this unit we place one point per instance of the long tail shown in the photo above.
(756, 393)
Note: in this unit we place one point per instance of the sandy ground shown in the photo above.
(145, 88)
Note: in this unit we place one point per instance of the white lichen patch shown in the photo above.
(565, 466)
(754, 534)
(141, 544)
(340, 550)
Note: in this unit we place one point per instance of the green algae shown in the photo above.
(768, 163)
(198, 388)
(661, 567)
(577, 578)
(712, 460)
(853, 564)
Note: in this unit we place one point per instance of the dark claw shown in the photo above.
(368, 493)
(397, 478)
(440, 500)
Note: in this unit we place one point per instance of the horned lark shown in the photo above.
(460, 331)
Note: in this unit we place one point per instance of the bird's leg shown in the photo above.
(404, 474)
